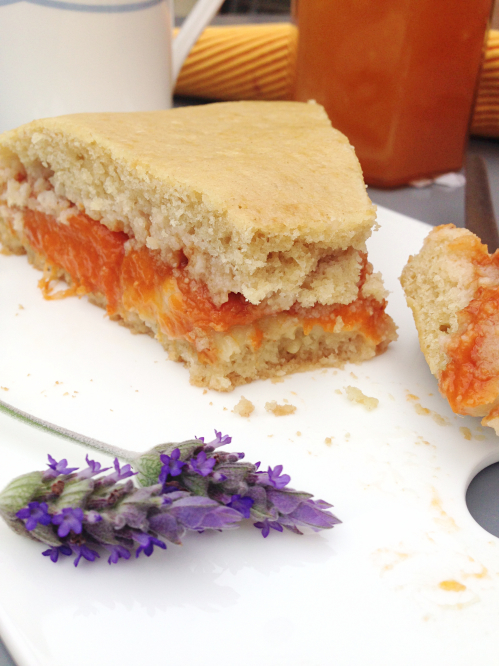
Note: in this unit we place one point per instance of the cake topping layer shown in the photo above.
(258, 195)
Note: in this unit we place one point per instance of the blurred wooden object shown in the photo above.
(485, 120)
(241, 62)
(258, 62)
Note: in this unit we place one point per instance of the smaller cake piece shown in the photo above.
(452, 288)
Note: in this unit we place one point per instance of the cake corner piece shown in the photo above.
(233, 232)
(452, 288)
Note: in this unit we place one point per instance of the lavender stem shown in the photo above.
(35, 422)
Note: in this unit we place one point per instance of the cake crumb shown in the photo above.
(354, 394)
(328, 441)
(465, 432)
(21, 307)
(244, 407)
(205, 391)
(391, 397)
(347, 436)
(4, 388)
(279, 410)
(298, 433)
(211, 404)
(225, 409)
(438, 418)
(353, 376)
(424, 411)
(411, 396)
(420, 440)
(277, 380)
(338, 391)
(294, 393)
(64, 394)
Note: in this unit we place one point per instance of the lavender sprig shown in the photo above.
(186, 486)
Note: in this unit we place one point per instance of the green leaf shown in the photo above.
(19, 492)
(75, 494)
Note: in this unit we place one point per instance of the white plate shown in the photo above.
(367, 592)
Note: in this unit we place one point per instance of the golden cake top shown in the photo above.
(278, 167)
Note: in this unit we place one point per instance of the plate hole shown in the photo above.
(482, 498)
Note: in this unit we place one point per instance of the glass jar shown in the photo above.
(398, 77)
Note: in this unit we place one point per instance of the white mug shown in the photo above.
(67, 56)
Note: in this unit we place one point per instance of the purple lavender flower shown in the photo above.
(34, 513)
(54, 552)
(69, 520)
(121, 473)
(202, 465)
(60, 467)
(273, 477)
(85, 552)
(117, 552)
(199, 513)
(147, 543)
(265, 526)
(172, 465)
(220, 440)
(241, 504)
(93, 468)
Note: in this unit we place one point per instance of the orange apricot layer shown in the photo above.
(471, 377)
(137, 280)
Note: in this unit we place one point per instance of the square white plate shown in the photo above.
(408, 579)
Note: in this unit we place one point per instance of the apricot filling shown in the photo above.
(135, 279)
(471, 377)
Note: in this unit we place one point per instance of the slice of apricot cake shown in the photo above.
(452, 287)
(234, 232)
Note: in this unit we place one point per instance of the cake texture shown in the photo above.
(234, 233)
(452, 288)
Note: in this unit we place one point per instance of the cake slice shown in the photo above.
(234, 233)
(452, 287)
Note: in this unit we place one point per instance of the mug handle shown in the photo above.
(199, 17)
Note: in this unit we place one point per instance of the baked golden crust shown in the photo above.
(452, 288)
(257, 193)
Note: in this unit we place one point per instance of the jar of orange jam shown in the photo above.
(398, 77)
